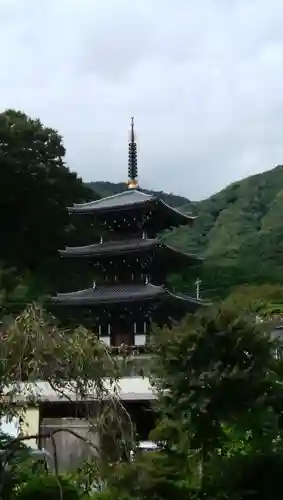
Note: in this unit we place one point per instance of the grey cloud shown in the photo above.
(203, 79)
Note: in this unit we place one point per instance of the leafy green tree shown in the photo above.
(34, 348)
(252, 476)
(35, 189)
(215, 371)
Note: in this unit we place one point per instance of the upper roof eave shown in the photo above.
(132, 198)
(186, 217)
(123, 200)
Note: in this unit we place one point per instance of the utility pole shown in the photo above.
(198, 283)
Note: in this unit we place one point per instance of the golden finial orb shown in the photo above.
(132, 184)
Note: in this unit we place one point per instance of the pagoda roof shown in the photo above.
(127, 200)
(116, 294)
(112, 248)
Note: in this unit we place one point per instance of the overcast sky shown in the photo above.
(204, 80)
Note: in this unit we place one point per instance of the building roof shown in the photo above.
(128, 389)
(113, 248)
(124, 199)
(116, 294)
(127, 200)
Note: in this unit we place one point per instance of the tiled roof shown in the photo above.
(111, 247)
(124, 293)
(111, 293)
(126, 198)
(132, 198)
(124, 246)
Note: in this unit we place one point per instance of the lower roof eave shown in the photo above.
(186, 300)
(127, 388)
(98, 303)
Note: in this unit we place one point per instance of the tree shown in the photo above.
(213, 372)
(35, 189)
(33, 349)
(262, 299)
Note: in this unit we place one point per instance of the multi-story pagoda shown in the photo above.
(128, 268)
(128, 289)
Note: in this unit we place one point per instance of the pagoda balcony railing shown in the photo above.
(133, 350)
(133, 365)
(138, 365)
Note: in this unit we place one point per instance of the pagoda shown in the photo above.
(130, 263)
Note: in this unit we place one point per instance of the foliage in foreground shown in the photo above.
(34, 348)
(219, 393)
(15, 466)
(220, 401)
(78, 366)
(213, 371)
(45, 487)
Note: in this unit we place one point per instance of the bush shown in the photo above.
(108, 494)
(48, 488)
(157, 475)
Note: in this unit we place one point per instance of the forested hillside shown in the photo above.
(239, 231)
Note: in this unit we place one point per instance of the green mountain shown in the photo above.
(239, 231)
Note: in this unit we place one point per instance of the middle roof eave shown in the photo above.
(112, 248)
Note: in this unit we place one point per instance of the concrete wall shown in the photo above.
(70, 449)
(26, 423)
(30, 425)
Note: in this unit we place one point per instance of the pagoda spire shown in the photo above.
(132, 160)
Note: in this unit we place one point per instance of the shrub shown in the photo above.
(48, 488)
